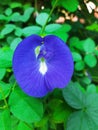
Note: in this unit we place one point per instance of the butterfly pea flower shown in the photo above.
(41, 64)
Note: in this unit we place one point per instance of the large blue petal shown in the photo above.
(26, 67)
(60, 66)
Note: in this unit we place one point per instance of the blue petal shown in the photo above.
(60, 67)
(26, 67)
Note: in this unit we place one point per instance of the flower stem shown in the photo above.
(14, 85)
(28, 125)
(4, 98)
(43, 28)
(36, 5)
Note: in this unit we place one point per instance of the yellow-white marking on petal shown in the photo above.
(43, 68)
(37, 50)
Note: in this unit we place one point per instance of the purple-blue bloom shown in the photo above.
(41, 64)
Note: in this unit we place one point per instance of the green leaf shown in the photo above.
(15, 4)
(71, 5)
(62, 32)
(94, 73)
(27, 14)
(27, 31)
(16, 17)
(42, 123)
(14, 122)
(12, 80)
(76, 43)
(92, 108)
(65, 28)
(42, 18)
(91, 89)
(80, 121)
(59, 111)
(62, 35)
(8, 29)
(75, 121)
(8, 11)
(60, 114)
(5, 57)
(9, 39)
(2, 17)
(18, 32)
(96, 52)
(74, 40)
(2, 73)
(25, 108)
(14, 43)
(76, 56)
(79, 65)
(74, 95)
(52, 27)
(89, 45)
(5, 120)
(86, 80)
(5, 2)
(90, 60)
(93, 27)
(24, 126)
(87, 118)
(4, 90)
(57, 3)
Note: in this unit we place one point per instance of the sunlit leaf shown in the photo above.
(76, 56)
(89, 45)
(27, 31)
(71, 5)
(17, 17)
(90, 60)
(79, 65)
(5, 120)
(25, 108)
(8, 29)
(52, 27)
(5, 57)
(14, 43)
(91, 88)
(2, 72)
(5, 89)
(24, 126)
(41, 18)
(8, 11)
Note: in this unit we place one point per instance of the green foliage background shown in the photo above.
(75, 106)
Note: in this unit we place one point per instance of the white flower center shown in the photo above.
(43, 68)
